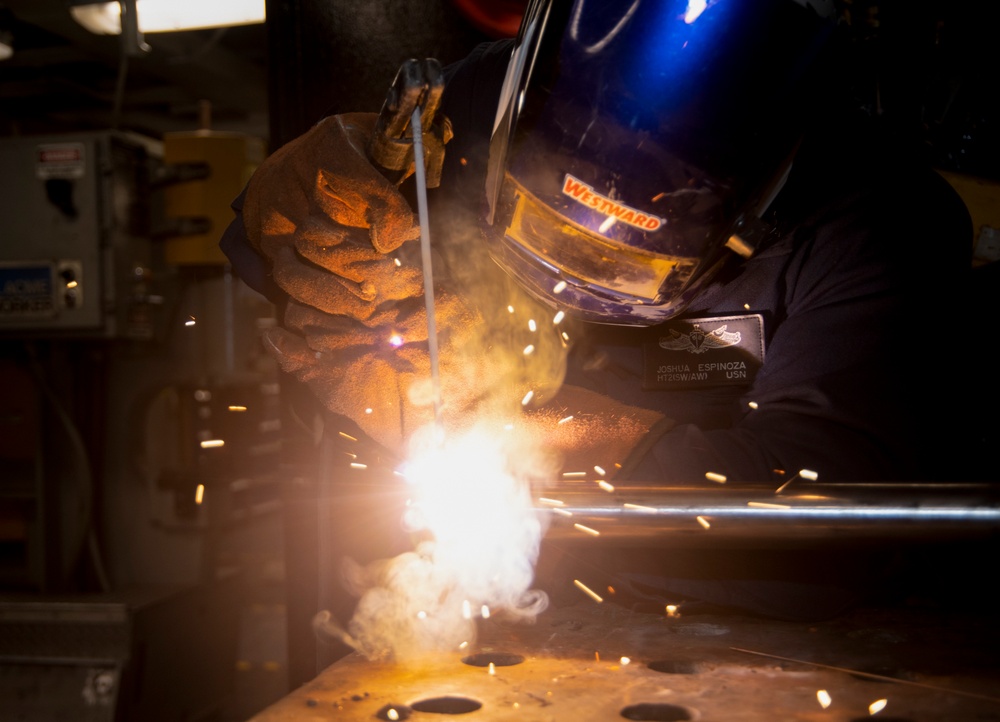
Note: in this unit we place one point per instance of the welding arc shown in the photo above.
(870, 675)
(425, 257)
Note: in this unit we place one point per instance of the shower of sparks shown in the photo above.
(605, 485)
(357, 465)
(559, 287)
(529, 349)
(640, 507)
(877, 706)
(212, 443)
(587, 530)
(704, 522)
(532, 326)
(717, 478)
(753, 405)
(346, 436)
(600, 471)
(237, 408)
(824, 698)
(199, 494)
(557, 319)
(588, 591)
(527, 398)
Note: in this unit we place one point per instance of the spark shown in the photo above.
(357, 465)
(395, 340)
(672, 610)
(625, 660)
(877, 706)
(704, 522)
(392, 714)
(565, 419)
(640, 507)
(824, 698)
(808, 474)
(605, 485)
(559, 287)
(190, 321)
(463, 645)
(766, 505)
(347, 436)
(527, 398)
(510, 309)
(553, 502)
(600, 470)
(421, 614)
(557, 319)
(529, 349)
(563, 512)
(606, 224)
(694, 9)
(212, 443)
(485, 612)
(753, 405)
(532, 326)
(717, 478)
(746, 306)
(493, 669)
(565, 336)
(597, 656)
(397, 262)
(72, 284)
(466, 609)
(588, 591)
(368, 411)
(199, 494)
(568, 474)
(237, 408)
(587, 530)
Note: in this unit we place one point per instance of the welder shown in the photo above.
(751, 272)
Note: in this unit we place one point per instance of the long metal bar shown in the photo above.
(918, 511)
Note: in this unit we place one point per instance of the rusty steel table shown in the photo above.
(925, 663)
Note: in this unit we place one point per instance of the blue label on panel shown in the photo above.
(26, 290)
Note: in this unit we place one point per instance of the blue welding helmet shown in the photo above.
(634, 141)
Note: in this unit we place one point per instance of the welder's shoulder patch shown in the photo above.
(703, 352)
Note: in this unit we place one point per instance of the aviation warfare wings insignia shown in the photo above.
(698, 340)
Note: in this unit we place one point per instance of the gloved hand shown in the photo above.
(325, 219)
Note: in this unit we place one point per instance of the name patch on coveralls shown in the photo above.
(701, 352)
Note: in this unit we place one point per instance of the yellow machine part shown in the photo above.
(232, 158)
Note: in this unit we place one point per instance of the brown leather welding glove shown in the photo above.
(326, 220)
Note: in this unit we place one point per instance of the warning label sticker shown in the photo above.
(60, 160)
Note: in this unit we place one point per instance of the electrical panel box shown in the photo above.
(75, 242)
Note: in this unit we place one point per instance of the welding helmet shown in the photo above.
(634, 141)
